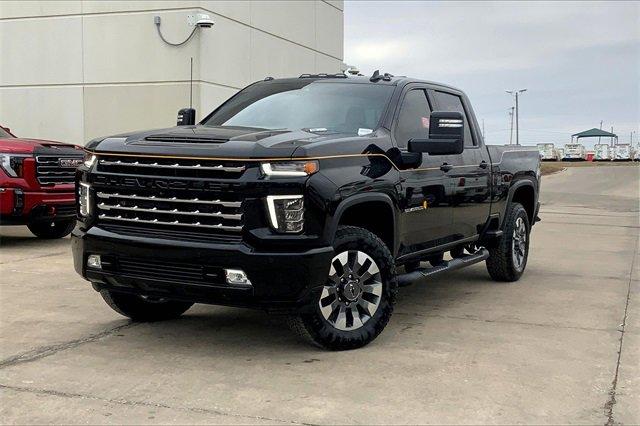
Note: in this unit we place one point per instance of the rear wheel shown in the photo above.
(51, 230)
(144, 309)
(356, 302)
(508, 258)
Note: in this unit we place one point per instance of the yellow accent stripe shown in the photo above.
(326, 157)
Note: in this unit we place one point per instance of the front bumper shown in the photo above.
(193, 271)
(20, 207)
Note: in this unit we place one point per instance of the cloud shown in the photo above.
(387, 50)
(580, 61)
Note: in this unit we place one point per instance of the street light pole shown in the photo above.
(511, 127)
(516, 93)
(517, 123)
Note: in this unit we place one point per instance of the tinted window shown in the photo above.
(453, 103)
(331, 107)
(413, 121)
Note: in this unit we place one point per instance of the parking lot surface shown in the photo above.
(562, 345)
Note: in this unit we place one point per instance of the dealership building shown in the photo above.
(75, 70)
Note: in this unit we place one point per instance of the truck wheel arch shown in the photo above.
(381, 219)
(523, 191)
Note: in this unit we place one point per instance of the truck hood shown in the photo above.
(206, 141)
(27, 146)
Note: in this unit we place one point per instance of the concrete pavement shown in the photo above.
(560, 346)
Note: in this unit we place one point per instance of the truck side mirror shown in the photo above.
(186, 117)
(446, 135)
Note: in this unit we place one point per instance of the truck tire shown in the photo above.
(141, 310)
(357, 301)
(508, 258)
(52, 230)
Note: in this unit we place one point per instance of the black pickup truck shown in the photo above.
(315, 197)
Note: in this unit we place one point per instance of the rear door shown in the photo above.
(467, 180)
(426, 217)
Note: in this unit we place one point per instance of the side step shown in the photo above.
(494, 233)
(451, 265)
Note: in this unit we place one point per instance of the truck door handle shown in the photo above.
(446, 167)
(483, 164)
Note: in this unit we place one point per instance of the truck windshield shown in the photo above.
(4, 133)
(321, 107)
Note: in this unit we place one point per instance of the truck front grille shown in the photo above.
(56, 170)
(180, 199)
(201, 213)
(186, 168)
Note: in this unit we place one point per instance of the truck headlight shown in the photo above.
(12, 164)
(286, 212)
(89, 159)
(84, 199)
(290, 168)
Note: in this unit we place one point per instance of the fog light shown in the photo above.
(94, 261)
(237, 277)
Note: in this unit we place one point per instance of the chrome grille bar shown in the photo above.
(221, 215)
(174, 223)
(61, 173)
(219, 167)
(170, 200)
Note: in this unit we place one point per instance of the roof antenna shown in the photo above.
(191, 85)
(376, 76)
(187, 116)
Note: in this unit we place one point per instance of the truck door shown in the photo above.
(426, 218)
(468, 177)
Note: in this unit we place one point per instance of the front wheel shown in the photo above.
(508, 259)
(355, 304)
(52, 230)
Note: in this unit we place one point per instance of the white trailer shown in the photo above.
(621, 152)
(559, 154)
(574, 152)
(547, 151)
(602, 152)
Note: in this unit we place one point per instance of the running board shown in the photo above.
(450, 265)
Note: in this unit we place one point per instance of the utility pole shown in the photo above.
(511, 128)
(612, 136)
(600, 129)
(516, 93)
(483, 129)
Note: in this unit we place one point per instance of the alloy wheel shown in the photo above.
(519, 244)
(353, 291)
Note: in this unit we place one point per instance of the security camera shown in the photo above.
(204, 23)
(201, 20)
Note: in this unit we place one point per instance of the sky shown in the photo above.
(579, 61)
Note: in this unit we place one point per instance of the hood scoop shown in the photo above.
(184, 139)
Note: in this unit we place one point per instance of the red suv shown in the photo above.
(37, 184)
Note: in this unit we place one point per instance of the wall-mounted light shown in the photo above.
(199, 20)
